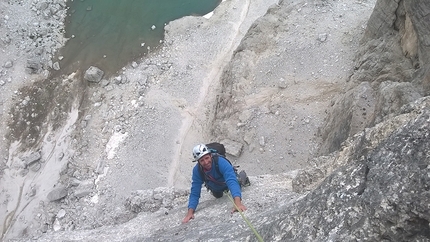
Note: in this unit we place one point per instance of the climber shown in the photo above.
(217, 174)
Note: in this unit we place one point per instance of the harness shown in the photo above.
(207, 177)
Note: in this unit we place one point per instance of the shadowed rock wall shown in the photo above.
(392, 69)
(380, 194)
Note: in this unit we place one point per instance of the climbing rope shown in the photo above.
(245, 219)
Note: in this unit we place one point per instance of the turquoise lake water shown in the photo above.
(110, 33)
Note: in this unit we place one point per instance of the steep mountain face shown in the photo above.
(373, 182)
(375, 176)
(371, 179)
(378, 192)
(391, 70)
(378, 187)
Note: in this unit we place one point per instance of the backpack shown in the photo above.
(218, 149)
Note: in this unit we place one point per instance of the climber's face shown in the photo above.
(206, 161)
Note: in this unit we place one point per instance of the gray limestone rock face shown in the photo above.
(154, 200)
(417, 31)
(373, 184)
(305, 178)
(382, 19)
(373, 192)
(351, 112)
(392, 65)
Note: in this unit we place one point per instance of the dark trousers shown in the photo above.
(217, 194)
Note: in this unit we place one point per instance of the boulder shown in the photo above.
(8, 64)
(84, 188)
(33, 65)
(56, 66)
(32, 158)
(57, 194)
(232, 147)
(93, 74)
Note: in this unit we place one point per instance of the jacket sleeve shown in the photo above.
(230, 177)
(196, 188)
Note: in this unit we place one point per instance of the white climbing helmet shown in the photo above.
(199, 151)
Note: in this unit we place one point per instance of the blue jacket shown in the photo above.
(226, 180)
